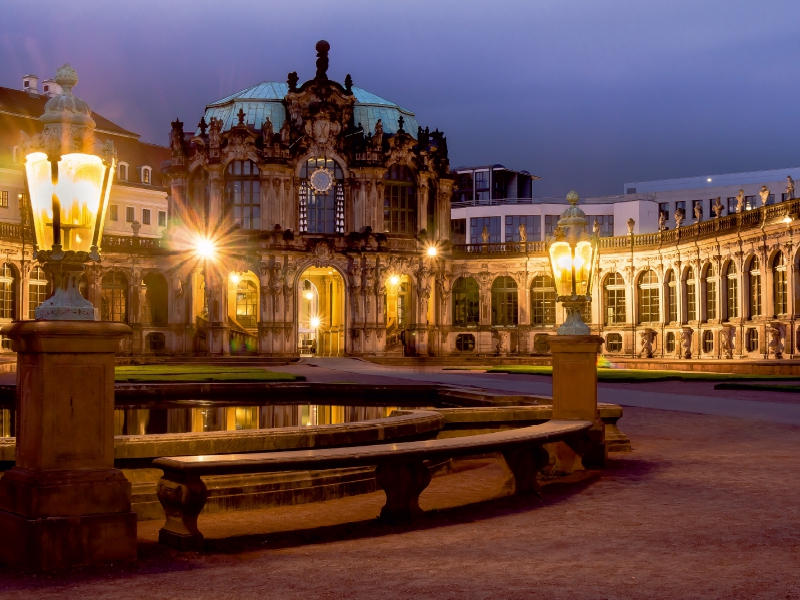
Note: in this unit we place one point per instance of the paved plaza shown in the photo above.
(704, 507)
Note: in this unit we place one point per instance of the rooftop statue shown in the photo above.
(523, 233)
(764, 193)
(789, 188)
(698, 211)
(717, 206)
(740, 201)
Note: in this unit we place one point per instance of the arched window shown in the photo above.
(614, 300)
(779, 284)
(672, 298)
(543, 300)
(403, 303)
(670, 344)
(648, 297)
(755, 288)
(466, 302)
(122, 172)
(711, 293)
(321, 197)
(8, 292)
(691, 296)
(708, 342)
(156, 302)
(246, 303)
(38, 290)
(613, 342)
(733, 291)
(147, 175)
(399, 201)
(243, 193)
(504, 302)
(114, 297)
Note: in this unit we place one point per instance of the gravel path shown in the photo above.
(705, 507)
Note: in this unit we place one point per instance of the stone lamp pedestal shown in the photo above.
(575, 398)
(64, 503)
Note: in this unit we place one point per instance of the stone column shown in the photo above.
(64, 503)
(575, 398)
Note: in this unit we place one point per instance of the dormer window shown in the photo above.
(47, 88)
(122, 172)
(147, 175)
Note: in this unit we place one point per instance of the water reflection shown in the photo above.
(143, 421)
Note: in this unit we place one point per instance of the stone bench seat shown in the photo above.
(401, 470)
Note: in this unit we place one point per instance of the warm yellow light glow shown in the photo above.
(432, 251)
(78, 190)
(394, 280)
(709, 180)
(235, 277)
(564, 261)
(787, 219)
(314, 322)
(205, 248)
(308, 295)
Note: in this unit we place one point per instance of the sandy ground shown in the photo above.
(705, 507)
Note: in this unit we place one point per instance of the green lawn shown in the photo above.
(167, 373)
(642, 375)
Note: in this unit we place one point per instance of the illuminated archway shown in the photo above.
(321, 312)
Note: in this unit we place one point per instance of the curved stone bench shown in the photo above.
(401, 470)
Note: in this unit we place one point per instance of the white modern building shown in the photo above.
(687, 192)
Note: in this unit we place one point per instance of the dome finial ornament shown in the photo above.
(573, 198)
(67, 78)
(322, 59)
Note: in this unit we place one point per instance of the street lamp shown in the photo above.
(573, 255)
(68, 176)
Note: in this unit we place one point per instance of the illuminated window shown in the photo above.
(779, 284)
(648, 297)
(732, 291)
(114, 297)
(605, 224)
(711, 293)
(321, 197)
(38, 290)
(3, 199)
(8, 289)
(246, 303)
(543, 300)
(614, 299)
(466, 302)
(147, 175)
(504, 302)
(613, 342)
(755, 288)
(691, 296)
(400, 201)
(243, 193)
(672, 298)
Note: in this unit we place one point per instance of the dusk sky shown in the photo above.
(586, 94)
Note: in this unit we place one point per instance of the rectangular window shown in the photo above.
(672, 303)
(771, 199)
(711, 300)
(458, 226)
(532, 223)
(605, 224)
(162, 218)
(113, 212)
(122, 172)
(482, 185)
(750, 202)
(129, 214)
(145, 216)
(464, 191)
(733, 296)
(550, 223)
(3, 199)
(146, 176)
(784, 197)
(476, 228)
(732, 205)
(663, 208)
(691, 302)
(631, 191)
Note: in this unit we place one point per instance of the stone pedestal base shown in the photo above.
(575, 397)
(64, 503)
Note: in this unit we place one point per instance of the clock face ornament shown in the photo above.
(321, 180)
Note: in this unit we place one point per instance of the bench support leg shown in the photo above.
(525, 464)
(182, 498)
(403, 483)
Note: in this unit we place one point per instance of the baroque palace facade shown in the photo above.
(329, 214)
